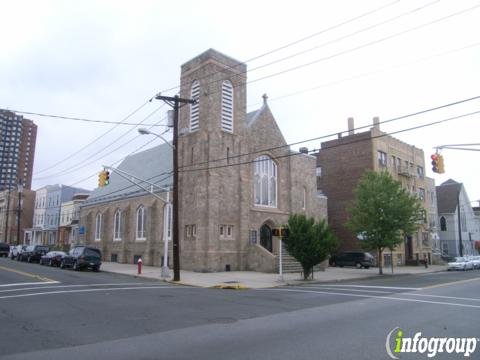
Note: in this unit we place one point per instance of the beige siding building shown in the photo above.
(238, 180)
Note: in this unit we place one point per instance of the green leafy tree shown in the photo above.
(309, 242)
(383, 212)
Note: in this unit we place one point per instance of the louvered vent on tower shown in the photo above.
(227, 106)
(194, 108)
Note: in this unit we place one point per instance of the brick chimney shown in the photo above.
(351, 126)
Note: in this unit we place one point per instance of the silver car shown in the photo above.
(460, 263)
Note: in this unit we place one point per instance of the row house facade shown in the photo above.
(342, 162)
(46, 214)
(238, 180)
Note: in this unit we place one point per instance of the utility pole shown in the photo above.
(7, 215)
(459, 224)
(19, 214)
(174, 103)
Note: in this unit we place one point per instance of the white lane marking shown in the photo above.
(31, 283)
(376, 297)
(369, 286)
(367, 291)
(85, 290)
(442, 296)
(67, 286)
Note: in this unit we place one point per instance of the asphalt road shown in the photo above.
(48, 313)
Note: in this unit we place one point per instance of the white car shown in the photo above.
(460, 263)
(475, 260)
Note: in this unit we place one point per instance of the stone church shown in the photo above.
(238, 179)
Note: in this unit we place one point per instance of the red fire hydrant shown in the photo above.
(139, 266)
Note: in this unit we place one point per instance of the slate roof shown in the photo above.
(447, 194)
(253, 115)
(153, 165)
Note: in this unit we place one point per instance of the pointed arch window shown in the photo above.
(194, 108)
(227, 106)
(443, 224)
(117, 226)
(141, 223)
(98, 227)
(265, 181)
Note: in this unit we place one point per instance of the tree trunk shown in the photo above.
(306, 272)
(380, 268)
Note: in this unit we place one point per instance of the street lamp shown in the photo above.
(144, 131)
(174, 230)
(20, 190)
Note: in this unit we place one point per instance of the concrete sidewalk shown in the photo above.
(256, 280)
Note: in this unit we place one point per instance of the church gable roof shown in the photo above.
(153, 165)
(447, 196)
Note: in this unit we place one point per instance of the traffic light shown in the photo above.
(440, 164)
(434, 158)
(101, 178)
(283, 232)
(107, 177)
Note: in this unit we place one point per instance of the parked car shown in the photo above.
(33, 253)
(15, 250)
(4, 249)
(82, 257)
(20, 251)
(353, 258)
(475, 260)
(52, 258)
(460, 263)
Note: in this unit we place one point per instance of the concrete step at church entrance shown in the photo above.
(289, 264)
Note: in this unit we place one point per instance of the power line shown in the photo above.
(367, 28)
(458, 102)
(108, 195)
(96, 139)
(82, 119)
(353, 49)
(77, 166)
(374, 42)
(269, 52)
(341, 144)
(335, 82)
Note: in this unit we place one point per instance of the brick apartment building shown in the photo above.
(342, 162)
(17, 150)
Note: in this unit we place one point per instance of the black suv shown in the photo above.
(4, 249)
(82, 257)
(353, 258)
(33, 253)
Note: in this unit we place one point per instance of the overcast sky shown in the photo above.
(104, 59)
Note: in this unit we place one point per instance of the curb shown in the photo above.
(237, 286)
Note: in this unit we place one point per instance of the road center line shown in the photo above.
(368, 287)
(355, 290)
(28, 283)
(86, 290)
(441, 296)
(63, 286)
(35, 276)
(452, 283)
(376, 297)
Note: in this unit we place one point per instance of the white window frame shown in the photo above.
(117, 225)
(227, 106)
(195, 108)
(265, 172)
(98, 227)
(140, 226)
